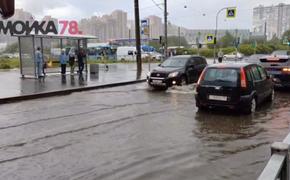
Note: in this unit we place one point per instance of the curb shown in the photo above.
(65, 92)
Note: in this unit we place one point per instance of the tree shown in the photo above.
(174, 41)
(275, 40)
(226, 40)
(12, 48)
(287, 33)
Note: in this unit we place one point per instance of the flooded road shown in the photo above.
(132, 132)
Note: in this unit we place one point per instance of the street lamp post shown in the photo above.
(138, 38)
(165, 29)
(216, 30)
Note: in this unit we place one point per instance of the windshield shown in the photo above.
(174, 62)
(220, 76)
(281, 53)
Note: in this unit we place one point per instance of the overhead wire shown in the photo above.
(157, 5)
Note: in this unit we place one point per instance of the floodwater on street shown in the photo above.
(133, 132)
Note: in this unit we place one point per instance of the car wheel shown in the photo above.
(183, 81)
(200, 107)
(252, 106)
(271, 97)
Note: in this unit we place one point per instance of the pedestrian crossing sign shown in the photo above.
(231, 12)
(209, 39)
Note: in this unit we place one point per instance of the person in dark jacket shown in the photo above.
(81, 55)
(72, 55)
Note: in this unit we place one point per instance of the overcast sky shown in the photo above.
(199, 14)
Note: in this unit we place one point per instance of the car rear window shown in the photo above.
(221, 76)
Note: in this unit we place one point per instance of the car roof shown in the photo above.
(186, 56)
(230, 65)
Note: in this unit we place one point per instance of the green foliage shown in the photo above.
(264, 49)
(228, 50)
(246, 49)
(174, 41)
(275, 40)
(226, 41)
(207, 52)
(12, 48)
(189, 51)
(5, 66)
(287, 33)
(9, 63)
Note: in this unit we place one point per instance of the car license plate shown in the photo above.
(157, 81)
(218, 98)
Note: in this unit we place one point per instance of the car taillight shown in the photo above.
(201, 77)
(286, 70)
(243, 78)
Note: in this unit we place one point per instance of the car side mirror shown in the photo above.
(7, 8)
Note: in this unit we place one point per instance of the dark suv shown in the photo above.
(177, 70)
(235, 86)
(278, 65)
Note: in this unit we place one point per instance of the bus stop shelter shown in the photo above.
(51, 46)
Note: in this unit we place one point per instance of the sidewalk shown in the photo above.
(14, 88)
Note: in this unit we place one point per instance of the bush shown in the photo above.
(184, 51)
(5, 66)
(228, 50)
(207, 53)
(246, 49)
(264, 49)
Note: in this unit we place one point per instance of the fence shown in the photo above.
(277, 167)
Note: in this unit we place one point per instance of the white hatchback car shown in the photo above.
(233, 56)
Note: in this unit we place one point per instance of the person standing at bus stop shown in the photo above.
(81, 55)
(63, 62)
(39, 62)
(71, 62)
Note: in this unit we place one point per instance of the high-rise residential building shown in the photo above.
(106, 27)
(271, 20)
(155, 26)
(121, 19)
(131, 29)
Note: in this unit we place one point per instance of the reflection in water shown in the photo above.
(72, 80)
(94, 76)
(81, 80)
(139, 74)
(225, 126)
(63, 79)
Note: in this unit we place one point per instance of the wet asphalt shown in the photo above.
(134, 132)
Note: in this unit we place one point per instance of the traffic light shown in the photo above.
(7, 8)
(214, 40)
(160, 40)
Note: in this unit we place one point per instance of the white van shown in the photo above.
(128, 53)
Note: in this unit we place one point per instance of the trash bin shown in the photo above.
(94, 68)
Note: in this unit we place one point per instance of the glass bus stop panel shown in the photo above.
(27, 56)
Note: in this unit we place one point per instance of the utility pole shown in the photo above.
(138, 41)
(165, 29)
(179, 38)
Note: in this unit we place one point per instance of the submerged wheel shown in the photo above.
(183, 81)
(251, 108)
(271, 97)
